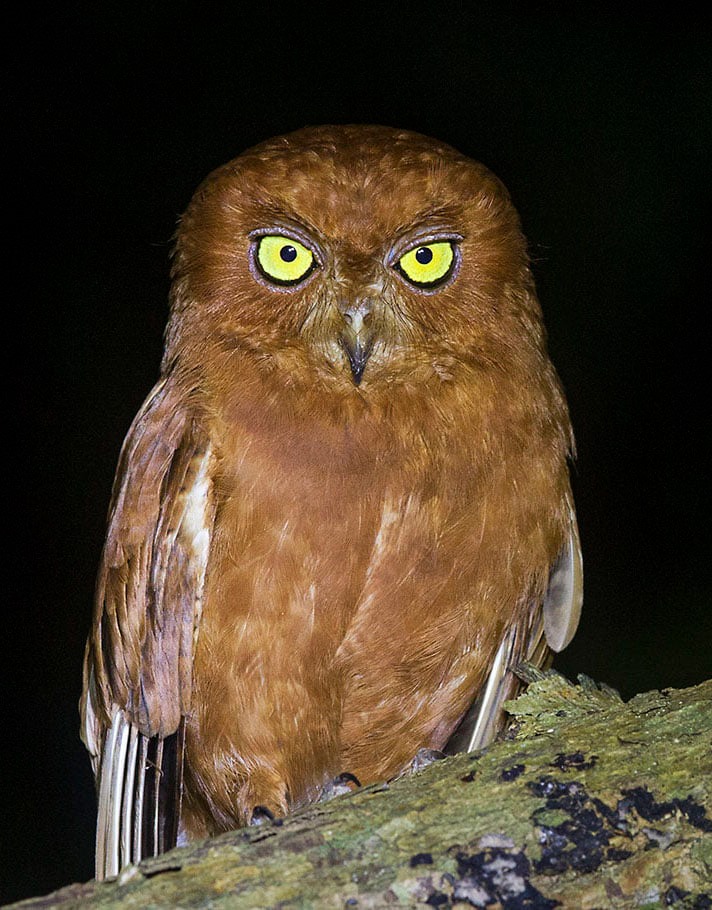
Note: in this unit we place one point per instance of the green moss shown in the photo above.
(592, 797)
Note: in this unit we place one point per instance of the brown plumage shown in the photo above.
(344, 511)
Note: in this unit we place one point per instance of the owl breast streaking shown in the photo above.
(343, 513)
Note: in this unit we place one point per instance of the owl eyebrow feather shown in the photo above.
(288, 220)
(437, 217)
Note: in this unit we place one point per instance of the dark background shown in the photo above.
(599, 125)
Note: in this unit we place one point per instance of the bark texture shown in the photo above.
(588, 802)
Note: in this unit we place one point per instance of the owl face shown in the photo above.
(359, 254)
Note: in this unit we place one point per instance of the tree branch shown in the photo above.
(588, 802)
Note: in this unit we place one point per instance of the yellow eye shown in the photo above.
(429, 264)
(283, 260)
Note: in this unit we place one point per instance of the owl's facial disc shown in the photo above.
(353, 316)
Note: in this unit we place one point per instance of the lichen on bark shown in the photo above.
(586, 802)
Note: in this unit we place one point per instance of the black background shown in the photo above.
(600, 126)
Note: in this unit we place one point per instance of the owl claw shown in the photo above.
(260, 815)
(346, 782)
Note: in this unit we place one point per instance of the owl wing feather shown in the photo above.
(564, 596)
(548, 627)
(138, 664)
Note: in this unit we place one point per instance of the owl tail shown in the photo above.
(140, 787)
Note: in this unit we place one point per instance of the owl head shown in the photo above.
(353, 257)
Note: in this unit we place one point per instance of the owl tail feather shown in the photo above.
(140, 786)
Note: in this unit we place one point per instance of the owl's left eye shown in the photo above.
(428, 265)
(283, 260)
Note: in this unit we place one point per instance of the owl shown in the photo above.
(343, 514)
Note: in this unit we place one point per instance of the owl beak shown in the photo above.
(357, 338)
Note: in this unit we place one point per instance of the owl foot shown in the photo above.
(421, 759)
(260, 815)
(342, 783)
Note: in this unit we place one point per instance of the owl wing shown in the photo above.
(549, 626)
(138, 664)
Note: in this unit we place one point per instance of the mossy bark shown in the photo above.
(588, 802)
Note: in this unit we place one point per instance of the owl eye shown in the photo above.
(428, 265)
(283, 260)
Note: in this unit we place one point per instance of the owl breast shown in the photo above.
(317, 652)
(311, 562)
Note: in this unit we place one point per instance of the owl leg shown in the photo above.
(421, 759)
(217, 803)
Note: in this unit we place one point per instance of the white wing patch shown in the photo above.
(197, 525)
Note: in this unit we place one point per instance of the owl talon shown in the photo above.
(346, 782)
(260, 815)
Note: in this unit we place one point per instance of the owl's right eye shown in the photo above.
(283, 260)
